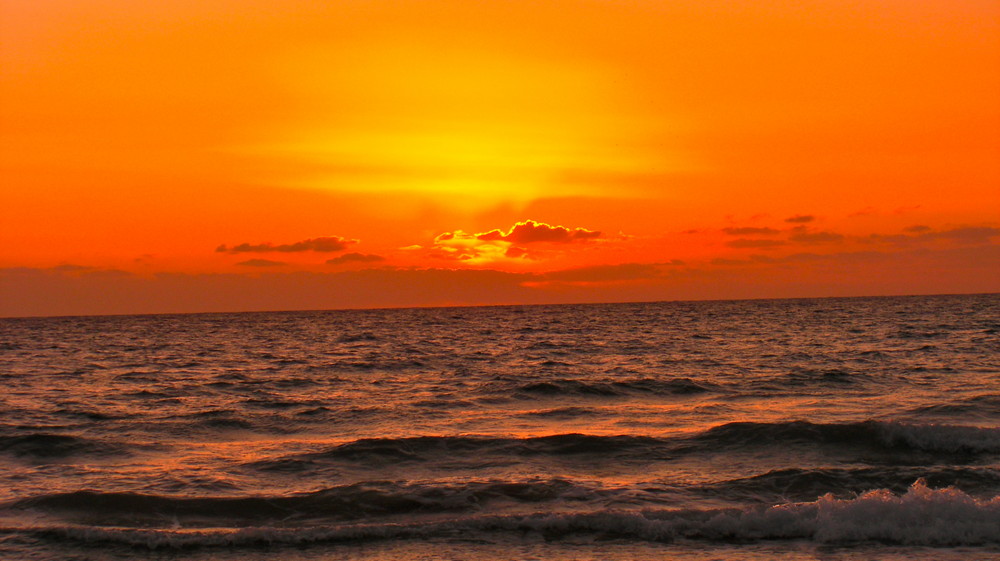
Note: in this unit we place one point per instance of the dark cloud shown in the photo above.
(355, 258)
(515, 252)
(751, 231)
(744, 243)
(800, 219)
(969, 235)
(917, 229)
(530, 231)
(261, 263)
(328, 244)
(816, 237)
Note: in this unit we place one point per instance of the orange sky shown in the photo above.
(253, 154)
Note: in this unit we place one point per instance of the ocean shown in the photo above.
(808, 429)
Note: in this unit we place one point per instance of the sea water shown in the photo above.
(848, 429)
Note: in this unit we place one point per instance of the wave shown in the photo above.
(563, 413)
(638, 386)
(875, 441)
(348, 502)
(216, 419)
(921, 516)
(807, 377)
(980, 406)
(796, 484)
(884, 435)
(42, 446)
(377, 451)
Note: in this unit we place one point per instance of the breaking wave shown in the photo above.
(920, 516)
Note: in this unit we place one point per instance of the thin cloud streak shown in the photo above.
(328, 244)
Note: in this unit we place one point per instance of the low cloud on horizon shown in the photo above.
(82, 290)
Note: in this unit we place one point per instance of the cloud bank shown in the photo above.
(918, 270)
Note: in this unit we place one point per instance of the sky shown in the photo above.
(240, 155)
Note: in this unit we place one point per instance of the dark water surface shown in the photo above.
(864, 428)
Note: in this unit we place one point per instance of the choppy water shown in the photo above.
(796, 429)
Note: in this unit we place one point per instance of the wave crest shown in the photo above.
(922, 516)
(950, 439)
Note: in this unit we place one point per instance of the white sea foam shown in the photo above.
(921, 516)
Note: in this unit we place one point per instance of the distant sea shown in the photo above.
(811, 429)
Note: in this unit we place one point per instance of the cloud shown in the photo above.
(816, 237)
(967, 235)
(355, 258)
(261, 263)
(917, 229)
(530, 231)
(498, 246)
(751, 231)
(800, 219)
(744, 243)
(328, 244)
(515, 252)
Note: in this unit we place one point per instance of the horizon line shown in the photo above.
(507, 305)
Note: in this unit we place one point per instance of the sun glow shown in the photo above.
(477, 125)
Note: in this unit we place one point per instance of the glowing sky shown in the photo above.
(253, 154)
